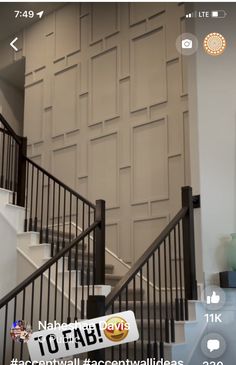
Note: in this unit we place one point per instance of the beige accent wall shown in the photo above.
(106, 111)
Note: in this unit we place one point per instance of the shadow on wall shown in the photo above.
(12, 94)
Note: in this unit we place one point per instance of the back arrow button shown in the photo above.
(12, 44)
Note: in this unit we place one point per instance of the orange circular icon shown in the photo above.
(214, 44)
(116, 329)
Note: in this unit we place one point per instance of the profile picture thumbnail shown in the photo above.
(20, 331)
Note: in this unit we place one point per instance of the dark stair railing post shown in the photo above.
(100, 243)
(189, 245)
(21, 172)
(96, 303)
(96, 308)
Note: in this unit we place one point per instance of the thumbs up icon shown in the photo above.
(213, 299)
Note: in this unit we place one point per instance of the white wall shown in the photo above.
(212, 105)
(8, 257)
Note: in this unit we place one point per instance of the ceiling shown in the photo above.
(9, 25)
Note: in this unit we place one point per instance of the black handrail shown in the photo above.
(8, 297)
(10, 130)
(64, 186)
(127, 278)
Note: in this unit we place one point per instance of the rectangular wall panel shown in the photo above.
(141, 11)
(66, 157)
(148, 69)
(104, 86)
(103, 169)
(65, 101)
(67, 30)
(144, 233)
(104, 20)
(33, 124)
(150, 165)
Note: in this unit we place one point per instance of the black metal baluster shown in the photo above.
(53, 217)
(14, 319)
(70, 265)
(120, 309)
(42, 201)
(64, 220)
(155, 352)
(148, 312)
(26, 197)
(76, 262)
(32, 306)
(3, 159)
(88, 257)
(69, 296)
(177, 314)
(166, 297)
(172, 323)
(62, 290)
(36, 202)
(180, 277)
(126, 307)
(15, 173)
(5, 335)
(141, 313)
(56, 289)
(31, 200)
(7, 163)
(23, 318)
(134, 309)
(82, 268)
(41, 297)
(49, 289)
(11, 164)
(58, 218)
(160, 304)
(48, 211)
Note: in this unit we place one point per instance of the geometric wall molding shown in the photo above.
(141, 11)
(104, 86)
(106, 111)
(104, 20)
(149, 161)
(103, 163)
(112, 236)
(66, 157)
(144, 232)
(148, 69)
(33, 126)
(67, 30)
(65, 101)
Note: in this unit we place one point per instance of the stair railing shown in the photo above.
(157, 288)
(60, 288)
(53, 292)
(12, 149)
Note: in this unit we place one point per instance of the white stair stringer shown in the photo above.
(32, 255)
(14, 214)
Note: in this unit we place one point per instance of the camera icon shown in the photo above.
(187, 43)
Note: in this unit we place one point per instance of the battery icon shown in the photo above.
(218, 14)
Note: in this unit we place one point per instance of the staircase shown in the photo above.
(61, 246)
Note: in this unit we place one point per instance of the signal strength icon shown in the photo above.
(190, 15)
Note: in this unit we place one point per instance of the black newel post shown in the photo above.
(100, 243)
(189, 245)
(96, 308)
(21, 172)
